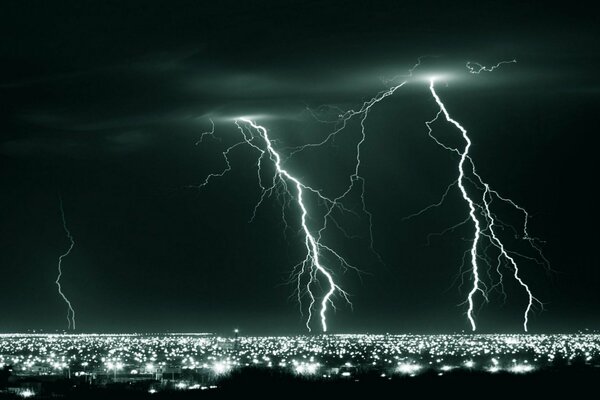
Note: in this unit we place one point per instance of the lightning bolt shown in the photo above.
(257, 137)
(210, 133)
(475, 207)
(70, 311)
(486, 226)
(340, 124)
(312, 266)
(476, 68)
(487, 199)
(472, 211)
(313, 245)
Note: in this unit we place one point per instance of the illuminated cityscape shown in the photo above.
(200, 361)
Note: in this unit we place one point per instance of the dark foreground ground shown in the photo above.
(575, 382)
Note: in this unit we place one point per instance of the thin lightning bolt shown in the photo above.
(313, 246)
(341, 123)
(434, 205)
(476, 68)
(487, 200)
(257, 137)
(472, 211)
(210, 133)
(70, 311)
(526, 236)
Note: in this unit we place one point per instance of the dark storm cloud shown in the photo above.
(77, 146)
(152, 96)
(181, 92)
(103, 70)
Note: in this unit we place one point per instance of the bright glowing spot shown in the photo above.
(306, 368)
(221, 368)
(521, 368)
(27, 393)
(408, 369)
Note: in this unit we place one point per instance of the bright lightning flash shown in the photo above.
(257, 137)
(313, 246)
(472, 211)
(483, 219)
(312, 265)
(70, 311)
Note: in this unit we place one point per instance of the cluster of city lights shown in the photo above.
(320, 356)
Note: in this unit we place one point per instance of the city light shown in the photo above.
(207, 359)
(408, 368)
(27, 393)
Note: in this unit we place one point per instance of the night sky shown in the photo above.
(102, 103)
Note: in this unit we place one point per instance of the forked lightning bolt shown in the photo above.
(70, 310)
(257, 137)
(482, 228)
(314, 247)
(487, 199)
(476, 68)
(340, 124)
(312, 266)
(483, 219)
(472, 211)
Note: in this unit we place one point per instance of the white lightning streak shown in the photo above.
(210, 133)
(225, 155)
(312, 244)
(311, 266)
(486, 200)
(472, 213)
(341, 123)
(434, 205)
(489, 219)
(526, 236)
(70, 311)
(476, 68)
